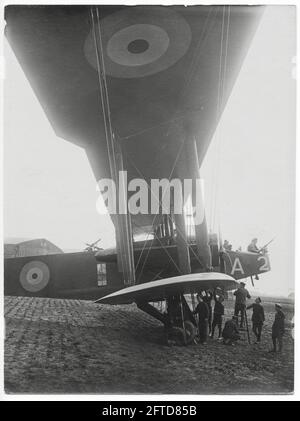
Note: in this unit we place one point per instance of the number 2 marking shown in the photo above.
(265, 266)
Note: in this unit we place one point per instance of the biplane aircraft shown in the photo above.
(141, 89)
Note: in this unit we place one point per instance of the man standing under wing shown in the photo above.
(202, 311)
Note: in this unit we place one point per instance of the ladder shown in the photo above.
(247, 327)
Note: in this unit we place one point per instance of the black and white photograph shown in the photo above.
(149, 184)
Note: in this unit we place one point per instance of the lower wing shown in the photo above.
(160, 289)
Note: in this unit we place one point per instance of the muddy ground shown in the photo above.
(71, 346)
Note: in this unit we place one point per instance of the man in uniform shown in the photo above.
(202, 311)
(258, 318)
(230, 332)
(278, 328)
(207, 297)
(218, 315)
(241, 296)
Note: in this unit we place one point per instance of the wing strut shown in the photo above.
(202, 239)
(122, 220)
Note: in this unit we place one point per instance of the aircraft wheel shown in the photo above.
(179, 336)
(190, 330)
(176, 336)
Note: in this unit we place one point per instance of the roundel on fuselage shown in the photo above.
(34, 276)
(140, 41)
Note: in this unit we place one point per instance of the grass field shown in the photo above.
(71, 346)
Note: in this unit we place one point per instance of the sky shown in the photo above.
(50, 191)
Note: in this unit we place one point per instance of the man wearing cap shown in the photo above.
(218, 315)
(202, 311)
(207, 297)
(258, 318)
(241, 295)
(278, 328)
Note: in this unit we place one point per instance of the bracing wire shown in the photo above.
(214, 169)
(108, 140)
(220, 103)
(126, 264)
(106, 107)
(217, 205)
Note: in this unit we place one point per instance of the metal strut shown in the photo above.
(122, 219)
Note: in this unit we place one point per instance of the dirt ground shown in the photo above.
(71, 346)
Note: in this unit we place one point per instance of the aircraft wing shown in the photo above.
(158, 290)
(169, 73)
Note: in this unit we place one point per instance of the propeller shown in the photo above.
(92, 246)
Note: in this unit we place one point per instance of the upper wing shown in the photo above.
(169, 73)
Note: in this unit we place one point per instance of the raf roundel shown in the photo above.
(138, 42)
(138, 45)
(34, 276)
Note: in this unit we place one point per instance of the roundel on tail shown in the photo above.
(34, 276)
(140, 41)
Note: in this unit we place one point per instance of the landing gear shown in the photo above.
(190, 331)
(176, 336)
(182, 336)
(181, 325)
(178, 319)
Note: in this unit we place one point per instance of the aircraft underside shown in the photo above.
(142, 92)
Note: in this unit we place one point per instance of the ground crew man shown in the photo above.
(218, 316)
(230, 332)
(258, 318)
(202, 311)
(207, 298)
(278, 328)
(241, 295)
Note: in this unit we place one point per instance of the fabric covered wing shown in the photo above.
(169, 73)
